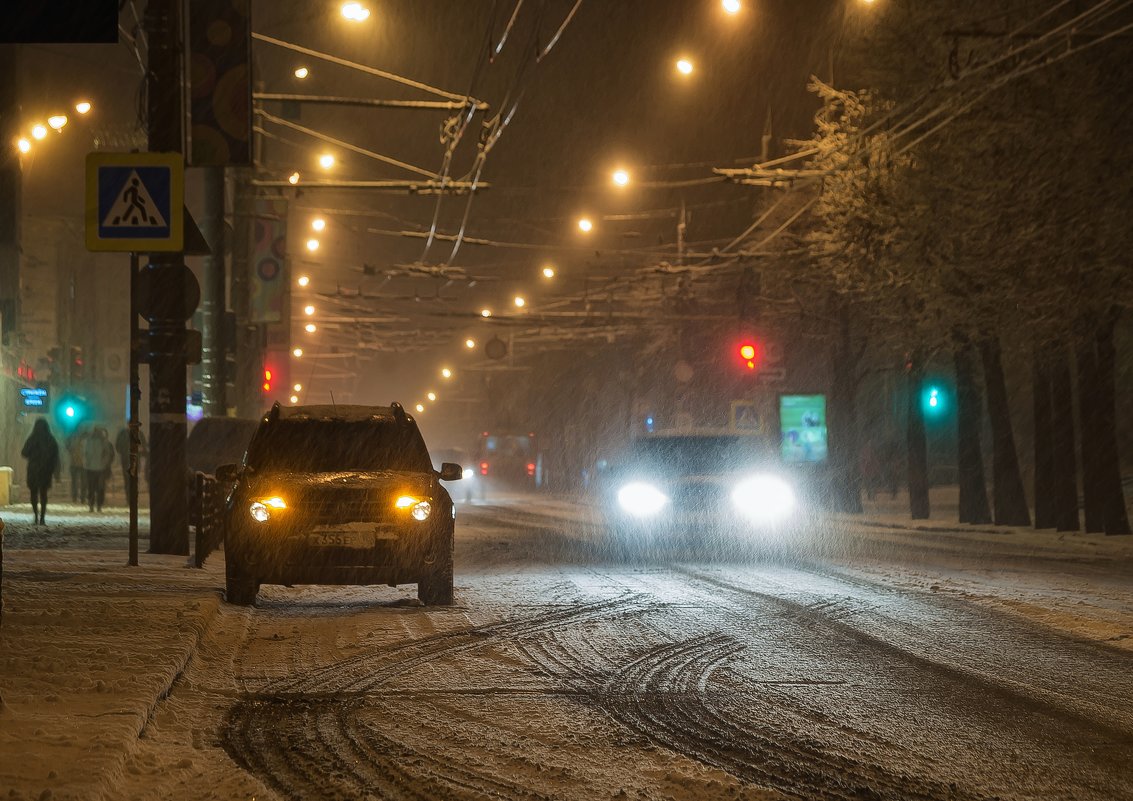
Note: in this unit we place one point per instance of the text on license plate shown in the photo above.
(342, 539)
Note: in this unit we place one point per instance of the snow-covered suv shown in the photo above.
(338, 495)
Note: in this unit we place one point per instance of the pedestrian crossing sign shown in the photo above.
(135, 202)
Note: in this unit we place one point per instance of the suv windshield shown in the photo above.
(332, 446)
(700, 456)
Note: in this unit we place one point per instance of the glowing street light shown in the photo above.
(585, 225)
(298, 387)
(548, 272)
(83, 107)
(519, 301)
(303, 280)
(293, 178)
(485, 312)
(319, 224)
(420, 408)
(684, 66)
(308, 310)
(432, 396)
(302, 72)
(731, 6)
(355, 12)
(294, 399)
(23, 145)
(297, 353)
(446, 373)
(310, 328)
(312, 245)
(38, 131)
(470, 343)
(57, 121)
(621, 177)
(326, 161)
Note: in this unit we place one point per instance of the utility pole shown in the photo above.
(213, 352)
(165, 308)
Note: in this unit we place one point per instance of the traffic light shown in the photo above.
(267, 380)
(71, 411)
(77, 365)
(933, 401)
(750, 354)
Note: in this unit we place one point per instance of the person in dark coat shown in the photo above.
(42, 452)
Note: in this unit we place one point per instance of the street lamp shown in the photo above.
(302, 73)
(38, 131)
(355, 12)
(297, 353)
(57, 121)
(585, 225)
(684, 66)
(470, 343)
(312, 245)
(308, 310)
(298, 387)
(303, 280)
(293, 178)
(731, 6)
(519, 301)
(621, 177)
(24, 145)
(419, 407)
(548, 272)
(83, 106)
(326, 161)
(319, 224)
(485, 312)
(432, 396)
(310, 328)
(446, 373)
(294, 399)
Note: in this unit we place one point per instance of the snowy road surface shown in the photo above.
(888, 666)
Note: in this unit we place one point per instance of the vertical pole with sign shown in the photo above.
(134, 423)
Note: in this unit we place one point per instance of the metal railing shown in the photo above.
(208, 518)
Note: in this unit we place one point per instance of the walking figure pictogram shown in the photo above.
(137, 206)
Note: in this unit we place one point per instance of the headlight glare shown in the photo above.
(468, 472)
(405, 501)
(259, 512)
(421, 510)
(764, 499)
(641, 499)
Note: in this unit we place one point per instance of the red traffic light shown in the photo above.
(267, 380)
(749, 354)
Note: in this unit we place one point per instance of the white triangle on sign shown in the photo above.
(134, 208)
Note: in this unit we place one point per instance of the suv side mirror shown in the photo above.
(450, 471)
(227, 473)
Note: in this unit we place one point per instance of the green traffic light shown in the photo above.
(933, 401)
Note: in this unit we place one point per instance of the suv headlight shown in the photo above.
(641, 499)
(420, 509)
(764, 499)
(261, 510)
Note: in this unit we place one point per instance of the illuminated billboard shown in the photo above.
(802, 428)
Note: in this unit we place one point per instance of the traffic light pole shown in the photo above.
(135, 426)
(165, 308)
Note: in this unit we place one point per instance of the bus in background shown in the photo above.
(509, 461)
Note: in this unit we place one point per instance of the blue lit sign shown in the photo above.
(34, 398)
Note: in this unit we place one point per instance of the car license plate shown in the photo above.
(358, 535)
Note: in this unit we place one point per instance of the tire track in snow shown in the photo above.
(289, 732)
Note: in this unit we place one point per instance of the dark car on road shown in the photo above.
(698, 487)
(338, 495)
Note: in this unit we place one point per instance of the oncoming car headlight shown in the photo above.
(420, 509)
(764, 499)
(641, 500)
(468, 472)
(262, 509)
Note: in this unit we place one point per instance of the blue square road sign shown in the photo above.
(135, 202)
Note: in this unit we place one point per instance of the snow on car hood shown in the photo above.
(378, 481)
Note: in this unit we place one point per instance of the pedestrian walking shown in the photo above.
(75, 457)
(122, 446)
(98, 457)
(42, 452)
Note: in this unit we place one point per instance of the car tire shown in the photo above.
(240, 584)
(435, 586)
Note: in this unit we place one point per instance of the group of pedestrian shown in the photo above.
(91, 457)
